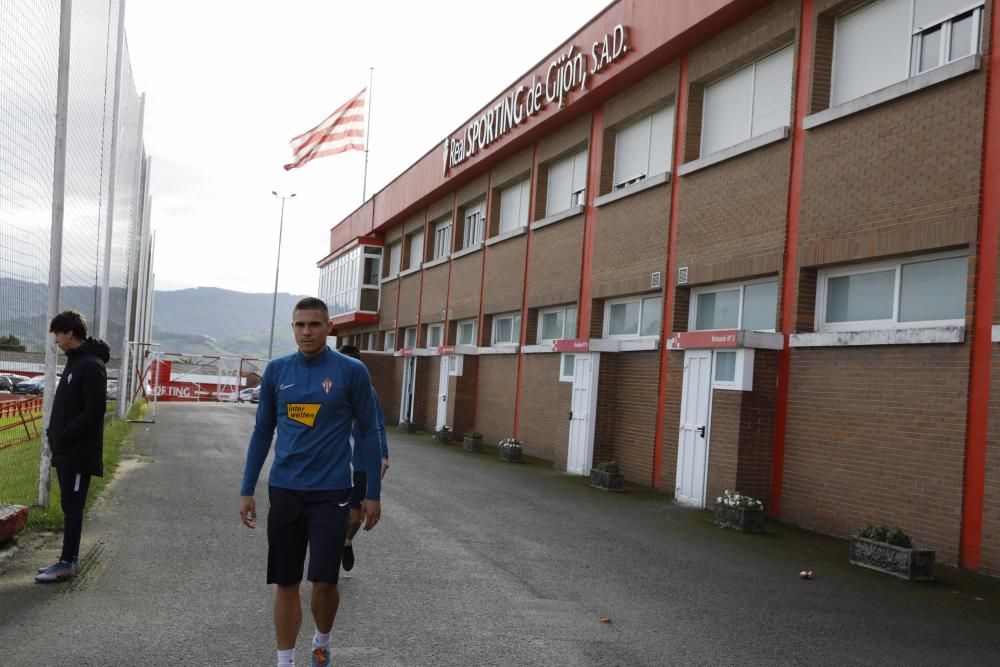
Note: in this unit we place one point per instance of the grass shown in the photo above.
(19, 473)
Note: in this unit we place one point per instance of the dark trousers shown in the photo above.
(73, 489)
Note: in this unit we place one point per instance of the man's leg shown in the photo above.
(327, 525)
(354, 518)
(287, 616)
(324, 604)
(73, 487)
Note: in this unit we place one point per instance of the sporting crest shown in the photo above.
(327, 385)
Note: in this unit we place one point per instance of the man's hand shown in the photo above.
(248, 511)
(371, 511)
(385, 467)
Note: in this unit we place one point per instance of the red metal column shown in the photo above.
(482, 286)
(595, 157)
(982, 318)
(803, 78)
(524, 294)
(667, 319)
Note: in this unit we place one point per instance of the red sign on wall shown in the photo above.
(445, 350)
(571, 345)
(406, 351)
(692, 340)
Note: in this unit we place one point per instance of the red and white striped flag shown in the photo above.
(343, 130)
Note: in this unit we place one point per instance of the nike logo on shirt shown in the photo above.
(285, 386)
(344, 504)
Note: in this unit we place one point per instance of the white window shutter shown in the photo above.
(927, 13)
(661, 137)
(871, 49)
(559, 186)
(522, 216)
(416, 250)
(772, 92)
(726, 114)
(632, 151)
(579, 171)
(510, 207)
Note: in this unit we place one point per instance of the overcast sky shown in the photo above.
(229, 82)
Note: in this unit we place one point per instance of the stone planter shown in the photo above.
(443, 436)
(12, 520)
(511, 454)
(408, 427)
(910, 564)
(472, 444)
(741, 518)
(609, 481)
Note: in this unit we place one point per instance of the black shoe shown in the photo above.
(348, 557)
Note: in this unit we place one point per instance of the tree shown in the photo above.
(12, 343)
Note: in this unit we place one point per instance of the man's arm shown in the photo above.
(260, 444)
(362, 399)
(383, 440)
(95, 396)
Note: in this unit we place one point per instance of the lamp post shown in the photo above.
(277, 267)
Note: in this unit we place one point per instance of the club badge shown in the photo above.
(327, 385)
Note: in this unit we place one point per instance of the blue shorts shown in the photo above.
(301, 519)
(360, 489)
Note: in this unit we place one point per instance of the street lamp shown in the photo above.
(277, 266)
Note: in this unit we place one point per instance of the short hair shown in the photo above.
(69, 321)
(350, 351)
(312, 303)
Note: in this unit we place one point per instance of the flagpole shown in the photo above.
(368, 135)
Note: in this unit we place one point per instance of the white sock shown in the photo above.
(347, 542)
(321, 640)
(286, 658)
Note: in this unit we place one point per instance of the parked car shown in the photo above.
(255, 396)
(9, 380)
(34, 387)
(249, 393)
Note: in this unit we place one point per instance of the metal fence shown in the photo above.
(105, 234)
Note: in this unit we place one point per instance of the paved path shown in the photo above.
(476, 562)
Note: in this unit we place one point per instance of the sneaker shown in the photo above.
(45, 567)
(61, 571)
(348, 558)
(320, 657)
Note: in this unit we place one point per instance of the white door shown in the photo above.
(442, 416)
(409, 387)
(692, 446)
(583, 413)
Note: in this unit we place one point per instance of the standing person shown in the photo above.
(76, 432)
(312, 397)
(360, 474)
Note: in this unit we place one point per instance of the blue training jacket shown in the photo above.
(358, 461)
(313, 402)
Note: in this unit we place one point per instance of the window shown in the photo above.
(557, 323)
(514, 206)
(349, 283)
(567, 367)
(638, 316)
(472, 230)
(467, 332)
(506, 329)
(928, 291)
(390, 341)
(434, 335)
(733, 369)
(370, 341)
(416, 241)
(748, 103)
(442, 238)
(455, 364)
(751, 306)
(410, 337)
(887, 41)
(394, 255)
(567, 183)
(644, 148)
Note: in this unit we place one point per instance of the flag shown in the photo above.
(343, 130)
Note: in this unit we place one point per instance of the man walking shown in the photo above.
(360, 473)
(76, 432)
(312, 398)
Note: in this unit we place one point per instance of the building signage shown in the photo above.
(568, 73)
(693, 340)
(446, 350)
(571, 345)
(406, 352)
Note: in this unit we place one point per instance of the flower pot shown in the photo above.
(408, 427)
(472, 444)
(609, 481)
(910, 564)
(741, 518)
(443, 436)
(12, 520)
(511, 454)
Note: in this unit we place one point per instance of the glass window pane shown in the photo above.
(725, 366)
(930, 49)
(866, 296)
(760, 306)
(569, 331)
(503, 330)
(567, 365)
(624, 319)
(552, 325)
(933, 290)
(718, 310)
(962, 41)
(651, 316)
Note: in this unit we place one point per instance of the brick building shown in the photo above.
(727, 243)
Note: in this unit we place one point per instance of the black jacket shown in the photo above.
(76, 427)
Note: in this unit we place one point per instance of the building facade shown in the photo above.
(731, 244)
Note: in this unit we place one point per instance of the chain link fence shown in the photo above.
(103, 239)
